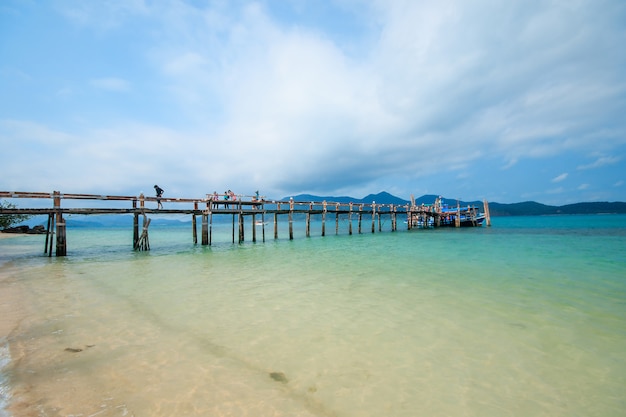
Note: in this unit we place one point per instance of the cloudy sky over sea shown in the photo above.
(504, 100)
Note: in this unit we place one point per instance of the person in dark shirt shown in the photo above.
(159, 193)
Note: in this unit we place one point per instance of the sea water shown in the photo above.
(524, 318)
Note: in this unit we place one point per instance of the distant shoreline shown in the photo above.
(10, 235)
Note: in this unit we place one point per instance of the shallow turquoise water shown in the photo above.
(527, 317)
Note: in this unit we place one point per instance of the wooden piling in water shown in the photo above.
(324, 218)
(350, 220)
(45, 247)
(50, 233)
(263, 221)
(193, 224)
(143, 243)
(61, 244)
(205, 228)
(233, 228)
(360, 217)
(210, 227)
(135, 224)
(409, 218)
(241, 228)
(486, 211)
(291, 219)
(253, 227)
(308, 224)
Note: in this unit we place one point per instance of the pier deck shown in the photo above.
(417, 216)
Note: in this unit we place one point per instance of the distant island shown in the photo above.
(527, 208)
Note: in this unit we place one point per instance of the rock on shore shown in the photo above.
(37, 230)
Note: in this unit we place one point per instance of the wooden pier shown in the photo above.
(241, 207)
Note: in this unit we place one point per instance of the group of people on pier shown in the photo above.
(215, 197)
(230, 196)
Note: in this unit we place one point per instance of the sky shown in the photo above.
(509, 101)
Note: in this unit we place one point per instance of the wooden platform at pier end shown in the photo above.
(415, 216)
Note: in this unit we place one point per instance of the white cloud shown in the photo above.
(434, 87)
(600, 162)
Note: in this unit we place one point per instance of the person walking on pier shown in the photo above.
(159, 193)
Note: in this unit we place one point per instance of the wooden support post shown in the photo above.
(48, 229)
(350, 220)
(276, 224)
(291, 219)
(263, 221)
(457, 220)
(233, 228)
(51, 232)
(392, 209)
(205, 229)
(409, 217)
(360, 217)
(487, 214)
(194, 228)
(308, 224)
(373, 217)
(241, 228)
(135, 229)
(61, 237)
(337, 218)
(254, 227)
(324, 219)
(143, 242)
(210, 227)
(135, 224)
(380, 225)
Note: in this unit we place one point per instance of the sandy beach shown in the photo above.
(10, 235)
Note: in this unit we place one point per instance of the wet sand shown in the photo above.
(11, 309)
(12, 313)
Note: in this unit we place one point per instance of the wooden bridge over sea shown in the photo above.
(256, 209)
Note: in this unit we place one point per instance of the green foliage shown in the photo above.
(7, 220)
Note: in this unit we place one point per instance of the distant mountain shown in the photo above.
(527, 208)
(380, 198)
(593, 208)
(531, 208)
(112, 220)
(319, 199)
(520, 209)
